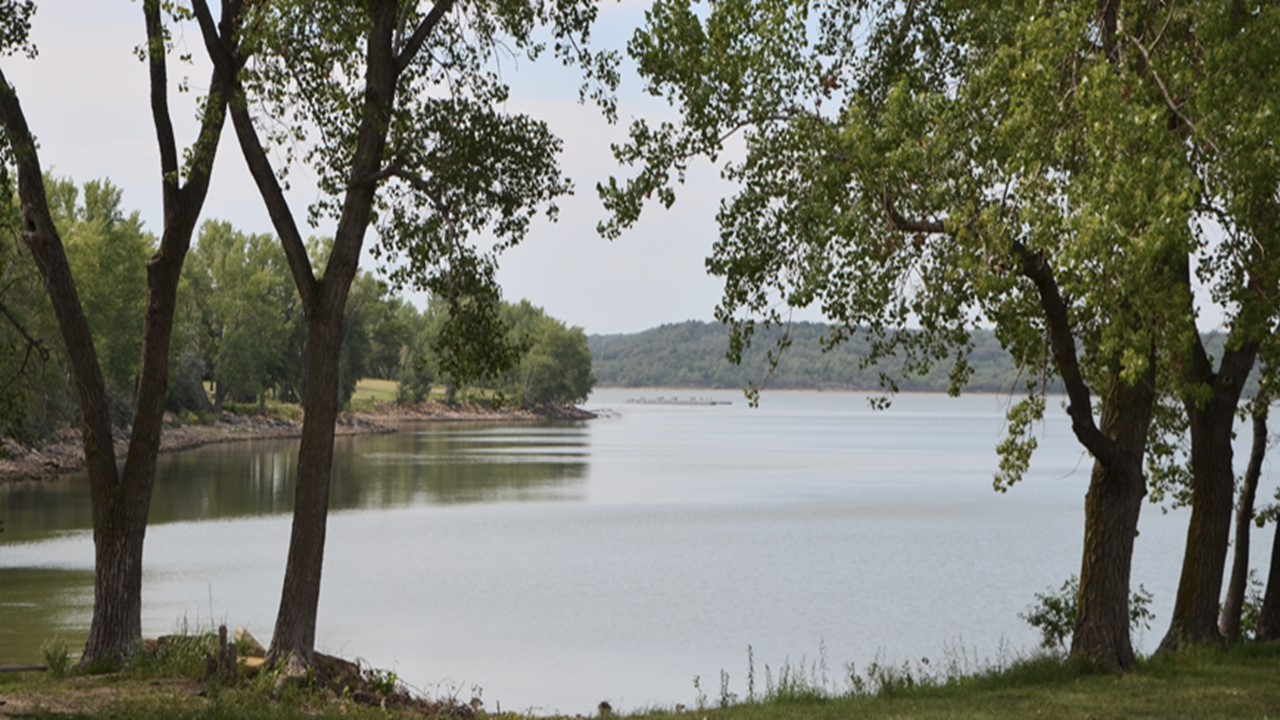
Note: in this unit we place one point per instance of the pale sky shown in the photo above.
(86, 99)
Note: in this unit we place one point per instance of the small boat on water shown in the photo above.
(673, 400)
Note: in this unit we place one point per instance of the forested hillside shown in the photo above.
(692, 354)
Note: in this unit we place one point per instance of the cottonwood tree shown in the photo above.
(555, 363)
(398, 110)
(1211, 63)
(33, 396)
(947, 165)
(107, 252)
(120, 496)
(239, 291)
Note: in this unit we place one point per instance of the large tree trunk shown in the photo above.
(119, 529)
(1195, 612)
(324, 299)
(295, 628)
(1196, 609)
(1116, 489)
(1117, 485)
(1233, 604)
(115, 626)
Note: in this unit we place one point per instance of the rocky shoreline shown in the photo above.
(64, 453)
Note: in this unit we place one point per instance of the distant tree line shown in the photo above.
(239, 334)
(693, 354)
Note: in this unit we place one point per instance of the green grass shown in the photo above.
(272, 408)
(371, 389)
(1240, 683)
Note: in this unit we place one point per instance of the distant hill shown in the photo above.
(692, 354)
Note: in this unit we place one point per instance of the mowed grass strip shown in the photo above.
(372, 389)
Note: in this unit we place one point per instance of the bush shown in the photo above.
(1054, 613)
(56, 657)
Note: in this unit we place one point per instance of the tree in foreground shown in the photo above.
(1209, 63)
(949, 165)
(120, 496)
(397, 108)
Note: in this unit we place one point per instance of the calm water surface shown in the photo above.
(558, 565)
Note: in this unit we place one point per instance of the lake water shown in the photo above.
(557, 565)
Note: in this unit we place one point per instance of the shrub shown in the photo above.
(1054, 613)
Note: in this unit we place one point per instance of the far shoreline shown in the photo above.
(64, 453)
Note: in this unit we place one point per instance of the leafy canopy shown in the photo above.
(950, 165)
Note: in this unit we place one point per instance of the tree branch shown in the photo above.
(1062, 340)
(902, 224)
(160, 105)
(183, 204)
(1036, 268)
(1168, 98)
(33, 343)
(414, 44)
(416, 181)
(41, 237)
(228, 67)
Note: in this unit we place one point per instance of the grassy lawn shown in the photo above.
(370, 389)
(1242, 684)
(1201, 684)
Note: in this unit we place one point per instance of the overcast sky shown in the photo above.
(85, 97)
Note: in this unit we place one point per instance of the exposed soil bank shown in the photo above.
(64, 452)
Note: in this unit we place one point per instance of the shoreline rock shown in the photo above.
(63, 453)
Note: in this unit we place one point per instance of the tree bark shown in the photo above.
(295, 627)
(1269, 615)
(1238, 585)
(1114, 500)
(1196, 609)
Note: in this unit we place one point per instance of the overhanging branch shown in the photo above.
(1035, 267)
(33, 343)
(414, 44)
(902, 224)
(255, 156)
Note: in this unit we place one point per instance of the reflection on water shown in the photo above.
(39, 605)
(559, 565)
(421, 465)
(439, 464)
(462, 465)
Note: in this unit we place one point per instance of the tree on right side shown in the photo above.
(944, 166)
